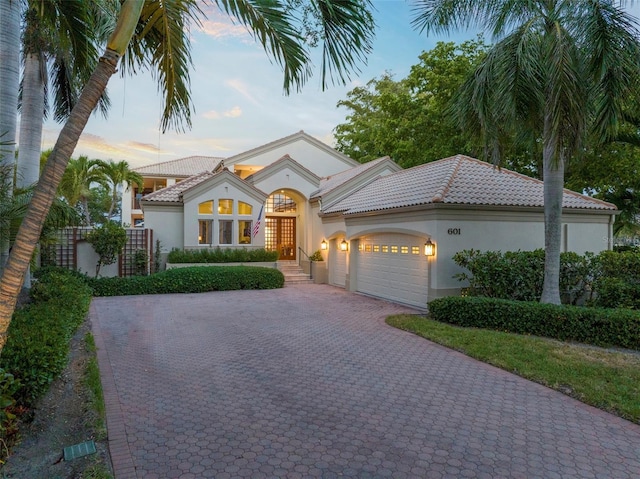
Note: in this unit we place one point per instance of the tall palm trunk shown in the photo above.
(31, 121)
(9, 81)
(31, 126)
(45, 192)
(553, 171)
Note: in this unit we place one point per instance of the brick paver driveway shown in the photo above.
(308, 381)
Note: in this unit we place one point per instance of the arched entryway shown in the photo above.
(281, 213)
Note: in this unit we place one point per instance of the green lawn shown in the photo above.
(604, 379)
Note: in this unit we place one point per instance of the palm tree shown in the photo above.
(59, 55)
(161, 43)
(117, 175)
(75, 185)
(9, 78)
(559, 68)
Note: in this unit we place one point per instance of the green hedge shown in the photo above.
(600, 327)
(617, 280)
(194, 279)
(519, 275)
(219, 255)
(38, 338)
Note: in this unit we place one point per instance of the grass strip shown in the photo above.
(94, 385)
(608, 380)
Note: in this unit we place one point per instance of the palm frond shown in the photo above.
(348, 31)
(496, 16)
(161, 45)
(612, 37)
(274, 26)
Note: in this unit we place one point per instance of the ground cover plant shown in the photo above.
(609, 380)
(220, 255)
(38, 345)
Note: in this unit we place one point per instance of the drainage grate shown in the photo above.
(79, 450)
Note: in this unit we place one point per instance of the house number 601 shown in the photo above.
(453, 231)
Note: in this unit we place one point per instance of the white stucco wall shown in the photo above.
(454, 230)
(88, 259)
(166, 223)
(318, 160)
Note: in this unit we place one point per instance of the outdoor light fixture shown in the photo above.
(324, 245)
(429, 248)
(344, 246)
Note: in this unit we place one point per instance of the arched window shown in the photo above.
(244, 208)
(280, 203)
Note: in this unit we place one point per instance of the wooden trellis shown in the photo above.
(135, 259)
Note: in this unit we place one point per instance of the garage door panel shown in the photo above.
(400, 277)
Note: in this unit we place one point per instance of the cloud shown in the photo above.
(234, 112)
(221, 29)
(242, 88)
(211, 115)
(139, 146)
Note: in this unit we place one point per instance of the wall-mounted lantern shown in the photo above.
(344, 246)
(429, 248)
(324, 245)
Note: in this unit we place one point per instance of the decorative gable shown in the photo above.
(312, 154)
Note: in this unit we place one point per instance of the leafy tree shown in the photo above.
(99, 205)
(160, 42)
(558, 70)
(108, 241)
(408, 119)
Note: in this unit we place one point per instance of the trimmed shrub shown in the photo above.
(600, 327)
(519, 275)
(220, 255)
(617, 283)
(38, 338)
(193, 279)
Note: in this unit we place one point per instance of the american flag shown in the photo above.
(256, 227)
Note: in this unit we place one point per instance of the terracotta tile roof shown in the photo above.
(455, 180)
(173, 193)
(331, 182)
(182, 167)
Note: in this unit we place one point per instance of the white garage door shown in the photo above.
(337, 265)
(393, 267)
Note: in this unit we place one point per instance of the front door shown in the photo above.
(280, 235)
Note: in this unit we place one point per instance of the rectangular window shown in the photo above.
(244, 208)
(385, 248)
(394, 249)
(404, 249)
(244, 232)
(367, 248)
(360, 246)
(204, 231)
(415, 250)
(376, 248)
(225, 207)
(226, 232)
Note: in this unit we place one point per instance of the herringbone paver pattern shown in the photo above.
(308, 381)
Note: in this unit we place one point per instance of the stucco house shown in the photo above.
(382, 230)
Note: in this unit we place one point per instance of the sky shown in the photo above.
(238, 96)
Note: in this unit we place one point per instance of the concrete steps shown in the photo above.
(293, 273)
